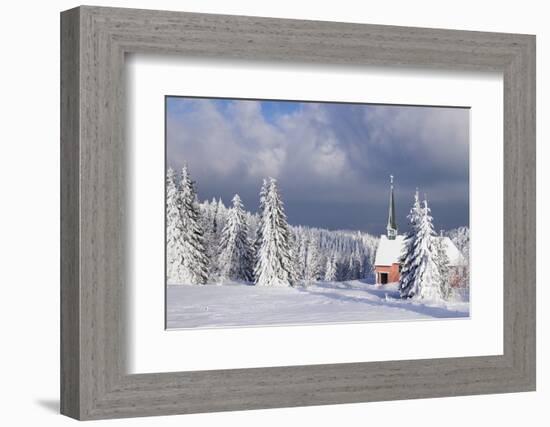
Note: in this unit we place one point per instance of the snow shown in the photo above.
(455, 257)
(238, 304)
(389, 251)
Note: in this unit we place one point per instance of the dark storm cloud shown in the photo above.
(332, 161)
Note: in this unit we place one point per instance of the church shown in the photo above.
(387, 264)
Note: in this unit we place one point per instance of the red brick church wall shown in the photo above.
(393, 272)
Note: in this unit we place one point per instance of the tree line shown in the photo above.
(207, 242)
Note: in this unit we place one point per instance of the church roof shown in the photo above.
(389, 251)
(455, 257)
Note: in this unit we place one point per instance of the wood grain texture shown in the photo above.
(70, 292)
(94, 239)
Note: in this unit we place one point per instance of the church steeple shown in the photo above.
(391, 228)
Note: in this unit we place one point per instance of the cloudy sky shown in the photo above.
(332, 160)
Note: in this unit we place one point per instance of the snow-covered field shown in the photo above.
(238, 304)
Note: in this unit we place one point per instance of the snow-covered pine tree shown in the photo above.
(300, 251)
(342, 263)
(211, 245)
(221, 216)
(291, 261)
(259, 228)
(235, 255)
(214, 239)
(371, 245)
(443, 266)
(313, 261)
(330, 269)
(174, 230)
(427, 280)
(274, 258)
(365, 266)
(297, 244)
(350, 273)
(409, 262)
(215, 211)
(355, 266)
(252, 223)
(194, 269)
(340, 243)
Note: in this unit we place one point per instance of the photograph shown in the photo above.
(266, 213)
(299, 212)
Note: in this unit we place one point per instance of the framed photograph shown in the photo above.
(281, 206)
(262, 213)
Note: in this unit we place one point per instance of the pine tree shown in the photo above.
(212, 238)
(427, 280)
(221, 217)
(354, 268)
(350, 269)
(443, 266)
(297, 251)
(291, 260)
(313, 261)
(409, 263)
(174, 231)
(301, 253)
(353, 252)
(216, 205)
(206, 210)
(295, 265)
(194, 269)
(330, 269)
(259, 228)
(235, 256)
(274, 259)
(341, 266)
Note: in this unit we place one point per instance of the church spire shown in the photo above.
(391, 228)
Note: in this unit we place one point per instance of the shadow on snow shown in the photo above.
(387, 297)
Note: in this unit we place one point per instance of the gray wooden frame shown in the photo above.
(94, 41)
